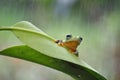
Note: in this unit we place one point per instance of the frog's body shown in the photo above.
(70, 43)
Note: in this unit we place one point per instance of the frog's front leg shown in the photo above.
(59, 42)
(76, 53)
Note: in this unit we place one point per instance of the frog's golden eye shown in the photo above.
(68, 37)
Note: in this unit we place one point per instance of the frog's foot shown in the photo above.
(76, 53)
(59, 42)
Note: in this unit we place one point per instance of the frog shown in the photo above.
(70, 43)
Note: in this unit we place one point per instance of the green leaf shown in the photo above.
(43, 43)
(24, 52)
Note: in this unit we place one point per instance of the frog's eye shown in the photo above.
(80, 38)
(68, 37)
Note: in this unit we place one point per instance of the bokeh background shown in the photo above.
(97, 21)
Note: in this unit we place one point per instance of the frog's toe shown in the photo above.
(76, 53)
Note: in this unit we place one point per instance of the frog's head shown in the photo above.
(69, 37)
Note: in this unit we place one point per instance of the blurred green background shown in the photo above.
(97, 21)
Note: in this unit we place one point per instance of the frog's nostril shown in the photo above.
(81, 38)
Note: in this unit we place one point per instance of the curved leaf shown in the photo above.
(27, 53)
(40, 41)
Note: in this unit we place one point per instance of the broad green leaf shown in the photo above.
(76, 71)
(40, 41)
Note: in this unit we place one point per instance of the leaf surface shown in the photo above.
(38, 40)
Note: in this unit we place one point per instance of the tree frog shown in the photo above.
(70, 43)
